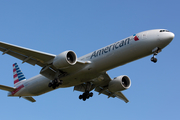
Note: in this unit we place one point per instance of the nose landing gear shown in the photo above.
(155, 52)
(153, 59)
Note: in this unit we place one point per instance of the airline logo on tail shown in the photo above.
(17, 74)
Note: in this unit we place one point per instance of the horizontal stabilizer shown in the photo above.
(6, 88)
(31, 99)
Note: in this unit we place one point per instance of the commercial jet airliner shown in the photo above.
(86, 73)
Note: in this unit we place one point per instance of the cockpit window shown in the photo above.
(163, 31)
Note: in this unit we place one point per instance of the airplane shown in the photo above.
(85, 73)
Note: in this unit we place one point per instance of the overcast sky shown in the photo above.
(84, 26)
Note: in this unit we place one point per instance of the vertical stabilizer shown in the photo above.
(17, 74)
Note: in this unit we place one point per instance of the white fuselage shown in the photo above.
(104, 59)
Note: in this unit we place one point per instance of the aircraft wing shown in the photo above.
(100, 84)
(30, 56)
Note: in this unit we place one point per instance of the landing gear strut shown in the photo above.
(87, 94)
(155, 52)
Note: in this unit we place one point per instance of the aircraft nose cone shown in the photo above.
(171, 36)
(167, 37)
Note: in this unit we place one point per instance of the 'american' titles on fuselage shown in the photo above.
(107, 49)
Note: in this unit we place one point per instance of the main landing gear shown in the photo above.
(55, 83)
(155, 52)
(87, 94)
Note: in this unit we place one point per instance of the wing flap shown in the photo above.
(26, 55)
(104, 91)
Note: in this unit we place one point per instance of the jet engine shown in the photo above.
(65, 59)
(119, 83)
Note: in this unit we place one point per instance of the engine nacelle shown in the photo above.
(119, 83)
(65, 59)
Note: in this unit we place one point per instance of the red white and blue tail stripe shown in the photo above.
(17, 74)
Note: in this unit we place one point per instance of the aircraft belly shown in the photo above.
(39, 85)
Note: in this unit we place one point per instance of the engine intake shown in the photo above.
(119, 83)
(65, 59)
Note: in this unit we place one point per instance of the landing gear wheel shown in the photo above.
(155, 53)
(90, 94)
(80, 97)
(54, 86)
(85, 95)
(153, 59)
(55, 83)
(60, 82)
(50, 84)
(84, 99)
